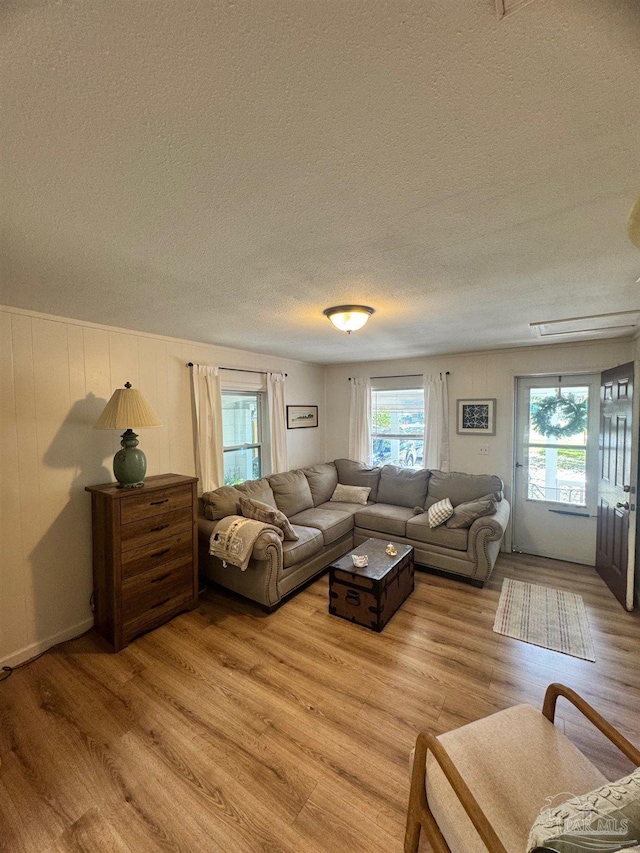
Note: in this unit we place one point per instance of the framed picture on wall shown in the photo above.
(476, 417)
(302, 416)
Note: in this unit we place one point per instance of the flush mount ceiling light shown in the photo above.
(633, 224)
(348, 318)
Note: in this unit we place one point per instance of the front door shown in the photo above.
(555, 497)
(616, 492)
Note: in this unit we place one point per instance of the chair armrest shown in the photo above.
(427, 742)
(549, 708)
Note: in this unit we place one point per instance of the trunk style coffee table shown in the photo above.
(370, 596)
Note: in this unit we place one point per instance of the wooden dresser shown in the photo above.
(145, 560)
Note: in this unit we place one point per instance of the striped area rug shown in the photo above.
(544, 617)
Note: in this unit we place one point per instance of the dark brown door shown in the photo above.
(614, 489)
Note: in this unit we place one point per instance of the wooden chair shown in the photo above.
(481, 787)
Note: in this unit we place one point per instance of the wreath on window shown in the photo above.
(559, 417)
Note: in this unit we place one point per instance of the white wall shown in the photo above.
(56, 375)
(488, 374)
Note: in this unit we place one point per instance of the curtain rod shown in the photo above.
(240, 369)
(400, 376)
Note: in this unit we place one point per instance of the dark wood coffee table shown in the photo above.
(370, 596)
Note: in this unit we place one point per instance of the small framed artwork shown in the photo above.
(476, 417)
(302, 416)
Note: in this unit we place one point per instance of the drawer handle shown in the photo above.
(160, 603)
(353, 597)
(160, 553)
(160, 527)
(157, 503)
(161, 578)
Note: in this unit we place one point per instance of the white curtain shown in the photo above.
(360, 421)
(436, 423)
(277, 423)
(207, 409)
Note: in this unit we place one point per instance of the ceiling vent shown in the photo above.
(613, 325)
(506, 7)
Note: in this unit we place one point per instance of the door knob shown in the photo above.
(626, 488)
(519, 465)
(624, 505)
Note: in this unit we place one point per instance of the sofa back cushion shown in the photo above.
(221, 502)
(323, 479)
(462, 488)
(292, 492)
(358, 474)
(259, 511)
(402, 486)
(258, 490)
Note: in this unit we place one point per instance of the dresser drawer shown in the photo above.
(151, 591)
(153, 618)
(156, 553)
(158, 501)
(153, 529)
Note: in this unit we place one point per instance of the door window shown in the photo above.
(556, 445)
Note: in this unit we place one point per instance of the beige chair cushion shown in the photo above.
(292, 492)
(465, 514)
(418, 528)
(513, 762)
(309, 542)
(333, 524)
(461, 488)
(260, 511)
(358, 474)
(258, 490)
(323, 478)
(384, 518)
(402, 486)
(350, 494)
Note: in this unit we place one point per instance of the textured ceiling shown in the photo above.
(224, 171)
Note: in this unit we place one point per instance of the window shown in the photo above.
(397, 425)
(243, 435)
(557, 464)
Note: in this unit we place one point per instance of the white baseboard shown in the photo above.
(40, 646)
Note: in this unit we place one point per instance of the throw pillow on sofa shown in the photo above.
(351, 494)
(352, 473)
(259, 511)
(439, 513)
(465, 514)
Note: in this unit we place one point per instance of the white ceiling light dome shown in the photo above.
(348, 318)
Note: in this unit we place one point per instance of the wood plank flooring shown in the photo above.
(231, 730)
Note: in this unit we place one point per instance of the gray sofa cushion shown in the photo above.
(333, 524)
(342, 506)
(292, 492)
(461, 488)
(465, 514)
(310, 542)
(402, 486)
(258, 490)
(221, 502)
(358, 474)
(323, 479)
(259, 511)
(418, 528)
(384, 518)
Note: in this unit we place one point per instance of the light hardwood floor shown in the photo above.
(231, 730)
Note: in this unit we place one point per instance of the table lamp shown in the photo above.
(128, 408)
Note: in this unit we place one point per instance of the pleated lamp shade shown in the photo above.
(127, 408)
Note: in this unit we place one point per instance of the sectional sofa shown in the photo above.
(396, 509)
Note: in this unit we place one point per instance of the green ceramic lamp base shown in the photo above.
(130, 463)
